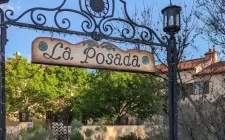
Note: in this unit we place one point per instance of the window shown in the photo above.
(201, 88)
(189, 88)
(197, 88)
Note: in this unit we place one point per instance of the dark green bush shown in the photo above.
(75, 130)
(130, 136)
(77, 136)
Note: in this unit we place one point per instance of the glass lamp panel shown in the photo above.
(171, 17)
(171, 21)
(177, 19)
(165, 19)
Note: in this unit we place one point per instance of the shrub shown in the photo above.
(99, 132)
(13, 136)
(157, 129)
(75, 130)
(130, 136)
(77, 136)
(88, 133)
(35, 133)
(75, 126)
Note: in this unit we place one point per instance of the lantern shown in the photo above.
(171, 19)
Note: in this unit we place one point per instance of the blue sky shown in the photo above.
(20, 39)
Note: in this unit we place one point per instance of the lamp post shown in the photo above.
(171, 25)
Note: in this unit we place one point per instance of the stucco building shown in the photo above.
(202, 76)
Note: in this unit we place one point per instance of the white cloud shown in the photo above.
(18, 8)
(11, 6)
(7, 7)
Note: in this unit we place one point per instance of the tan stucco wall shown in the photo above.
(216, 85)
(114, 131)
(18, 127)
(35, 121)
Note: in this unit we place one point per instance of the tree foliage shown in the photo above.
(24, 85)
(36, 89)
(116, 94)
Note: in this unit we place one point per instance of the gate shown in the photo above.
(58, 124)
(98, 15)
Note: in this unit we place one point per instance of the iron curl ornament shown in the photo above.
(99, 16)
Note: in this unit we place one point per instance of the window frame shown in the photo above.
(203, 85)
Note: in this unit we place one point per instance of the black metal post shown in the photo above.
(2, 57)
(172, 92)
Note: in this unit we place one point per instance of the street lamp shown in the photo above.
(171, 19)
(171, 25)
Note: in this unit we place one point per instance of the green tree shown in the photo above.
(36, 88)
(63, 85)
(24, 86)
(116, 94)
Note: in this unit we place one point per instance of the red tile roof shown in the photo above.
(183, 65)
(215, 68)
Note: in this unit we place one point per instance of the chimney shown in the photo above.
(212, 55)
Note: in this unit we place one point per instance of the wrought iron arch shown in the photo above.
(97, 14)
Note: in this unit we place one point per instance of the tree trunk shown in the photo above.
(119, 120)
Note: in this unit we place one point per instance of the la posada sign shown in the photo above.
(89, 54)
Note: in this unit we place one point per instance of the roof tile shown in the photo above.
(215, 68)
(183, 65)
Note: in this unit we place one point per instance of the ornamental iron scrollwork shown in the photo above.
(58, 124)
(97, 8)
(98, 17)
